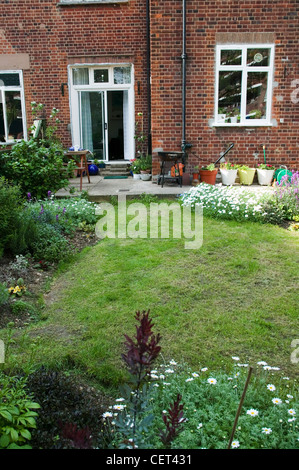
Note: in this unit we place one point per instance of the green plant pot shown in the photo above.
(246, 176)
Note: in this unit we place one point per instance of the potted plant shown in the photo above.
(135, 167)
(196, 173)
(265, 174)
(145, 167)
(229, 173)
(221, 116)
(246, 174)
(234, 115)
(208, 174)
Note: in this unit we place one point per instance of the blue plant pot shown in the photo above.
(93, 169)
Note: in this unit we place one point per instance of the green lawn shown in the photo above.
(236, 295)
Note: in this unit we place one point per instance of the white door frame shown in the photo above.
(74, 90)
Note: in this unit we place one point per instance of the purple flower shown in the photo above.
(29, 196)
(49, 194)
(57, 217)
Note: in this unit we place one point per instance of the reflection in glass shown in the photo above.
(81, 76)
(92, 122)
(9, 79)
(231, 57)
(258, 57)
(229, 96)
(256, 104)
(14, 115)
(101, 76)
(122, 75)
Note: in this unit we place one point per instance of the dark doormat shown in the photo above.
(115, 177)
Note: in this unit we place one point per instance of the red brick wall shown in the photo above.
(204, 21)
(56, 36)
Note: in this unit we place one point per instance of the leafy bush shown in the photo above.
(69, 417)
(50, 244)
(4, 294)
(286, 196)
(17, 418)
(36, 165)
(10, 209)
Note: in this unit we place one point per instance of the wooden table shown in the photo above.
(82, 165)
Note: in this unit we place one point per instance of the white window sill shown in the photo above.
(89, 2)
(239, 124)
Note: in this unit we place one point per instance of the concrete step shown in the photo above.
(117, 169)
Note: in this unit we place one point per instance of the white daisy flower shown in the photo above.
(235, 444)
(266, 430)
(252, 412)
(276, 401)
(212, 381)
(271, 387)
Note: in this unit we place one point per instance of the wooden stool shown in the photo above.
(82, 165)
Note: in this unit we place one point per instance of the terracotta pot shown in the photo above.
(207, 176)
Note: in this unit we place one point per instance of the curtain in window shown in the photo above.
(86, 123)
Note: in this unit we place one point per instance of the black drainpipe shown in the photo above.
(184, 144)
(148, 69)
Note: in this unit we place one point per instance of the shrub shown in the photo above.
(36, 165)
(17, 418)
(50, 244)
(10, 209)
(69, 416)
(4, 294)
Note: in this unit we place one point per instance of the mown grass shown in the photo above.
(236, 295)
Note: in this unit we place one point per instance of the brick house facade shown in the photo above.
(115, 69)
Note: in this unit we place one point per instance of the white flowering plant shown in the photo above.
(231, 203)
(210, 399)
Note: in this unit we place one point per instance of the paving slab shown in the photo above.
(100, 188)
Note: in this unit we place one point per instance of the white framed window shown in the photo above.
(244, 77)
(102, 109)
(12, 107)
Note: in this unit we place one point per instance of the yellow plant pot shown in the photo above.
(246, 176)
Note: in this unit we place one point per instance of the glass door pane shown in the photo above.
(93, 131)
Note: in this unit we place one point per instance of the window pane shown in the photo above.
(9, 79)
(101, 76)
(14, 115)
(81, 76)
(122, 75)
(229, 97)
(231, 57)
(2, 127)
(256, 104)
(258, 57)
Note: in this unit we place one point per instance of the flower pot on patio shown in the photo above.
(228, 176)
(208, 176)
(145, 175)
(246, 175)
(136, 176)
(93, 169)
(265, 176)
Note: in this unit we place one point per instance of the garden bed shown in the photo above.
(35, 276)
